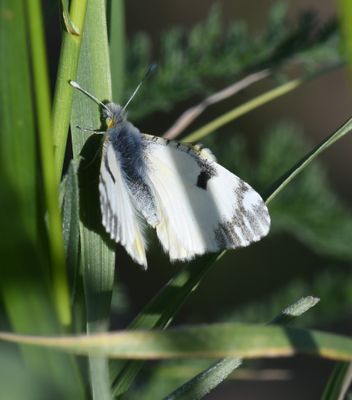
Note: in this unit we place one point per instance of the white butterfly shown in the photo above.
(195, 205)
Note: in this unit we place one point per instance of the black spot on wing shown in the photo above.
(202, 179)
(206, 173)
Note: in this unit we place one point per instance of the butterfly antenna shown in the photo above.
(150, 70)
(75, 85)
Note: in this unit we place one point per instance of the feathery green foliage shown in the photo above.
(190, 62)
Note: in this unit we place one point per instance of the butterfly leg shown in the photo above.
(90, 130)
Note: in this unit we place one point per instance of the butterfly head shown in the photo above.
(113, 114)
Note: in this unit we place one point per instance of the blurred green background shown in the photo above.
(245, 285)
(308, 251)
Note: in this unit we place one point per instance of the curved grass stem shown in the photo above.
(243, 109)
(42, 98)
(63, 92)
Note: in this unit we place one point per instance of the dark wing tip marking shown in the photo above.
(248, 223)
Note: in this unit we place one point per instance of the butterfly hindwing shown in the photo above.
(119, 215)
(202, 206)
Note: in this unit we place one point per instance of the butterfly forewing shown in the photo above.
(119, 215)
(202, 206)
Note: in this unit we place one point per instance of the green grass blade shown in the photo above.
(159, 312)
(69, 196)
(97, 252)
(306, 160)
(253, 104)
(295, 310)
(203, 383)
(117, 47)
(206, 381)
(18, 194)
(67, 70)
(243, 109)
(25, 284)
(341, 375)
(339, 382)
(17, 134)
(345, 19)
(42, 97)
(205, 341)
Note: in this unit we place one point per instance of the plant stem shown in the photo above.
(63, 92)
(243, 109)
(117, 47)
(42, 98)
(305, 161)
(207, 380)
(345, 17)
(192, 113)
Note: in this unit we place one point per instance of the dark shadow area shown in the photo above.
(90, 216)
(306, 382)
(88, 179)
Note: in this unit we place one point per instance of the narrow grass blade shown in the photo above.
(17, 134)
(97, 251)
(306, 160)
(67, 70)
(69, 195)
(206, 341)
(253, 104)
(42, 97)
(243, 109)
(159, 312)
(117, 46)
(341, 376)
(207, 380)
(339, 382)
(25, 285)
(345, 19)
(69, 200)
(192, 113)
(295, 310)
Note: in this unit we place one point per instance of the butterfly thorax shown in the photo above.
(127, 142)
(129, 148)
